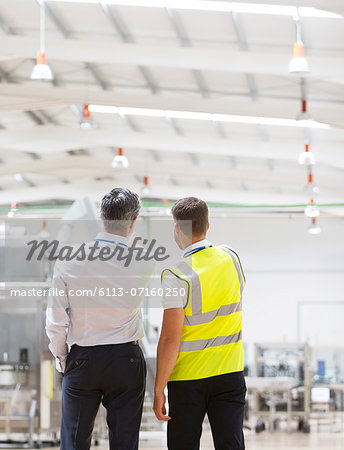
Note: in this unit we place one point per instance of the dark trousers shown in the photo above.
(112, 374)
(221, 397)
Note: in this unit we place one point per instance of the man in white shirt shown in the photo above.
(94, 310)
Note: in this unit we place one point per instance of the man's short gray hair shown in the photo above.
(119, 208)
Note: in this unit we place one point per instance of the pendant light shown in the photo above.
(146, 188)
(42, 71)
(312, 210)
(13, 211)
(86, 122)
(314, 228)
(44, 233)
(298, 64)
(120, 161)
(307, 157)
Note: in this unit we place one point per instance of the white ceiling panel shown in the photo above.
(266, 33)
(324, 36)
(208, 28)
(147, 25)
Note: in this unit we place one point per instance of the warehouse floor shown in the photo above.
(277, 440)
(264, 441)
(323, 437)
(267, 441)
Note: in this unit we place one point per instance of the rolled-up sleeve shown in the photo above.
(57, 321)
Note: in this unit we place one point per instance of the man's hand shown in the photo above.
(60, 363)
(159, 407)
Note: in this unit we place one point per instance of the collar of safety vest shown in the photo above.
(193, 248)
(112, 238)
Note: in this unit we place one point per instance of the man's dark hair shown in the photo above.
(119, 208)
(192, 209)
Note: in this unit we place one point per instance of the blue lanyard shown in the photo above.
(112, 242)
(194, 250)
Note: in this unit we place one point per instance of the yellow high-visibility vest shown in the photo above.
(211, 342)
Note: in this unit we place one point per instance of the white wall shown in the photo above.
(284, 266)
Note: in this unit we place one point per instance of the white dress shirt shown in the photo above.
(96, 302)
(170, 281)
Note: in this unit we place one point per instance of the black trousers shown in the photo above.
(221, 397)
(112, 374)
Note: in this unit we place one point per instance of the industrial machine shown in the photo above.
(327, 400)
(281, 389)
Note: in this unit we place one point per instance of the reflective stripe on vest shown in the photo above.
(209, 316)
(206, 349)
(237, 265)
(201, 344)
(196, 291)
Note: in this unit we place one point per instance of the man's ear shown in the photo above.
(132, 224)
(208, 227)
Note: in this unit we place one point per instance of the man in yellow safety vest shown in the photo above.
(200, 351)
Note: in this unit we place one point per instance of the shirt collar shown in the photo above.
(114, 238)
(199, 244)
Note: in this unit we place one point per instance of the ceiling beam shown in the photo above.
(15, 97)
(243, 45)
(33, 115)
(130, 122)
(6, 28)
(175, 126)
(97, 76)
(220, 129)
(98, 165)
(186, 42)
(52, 139)
(121, 28)
(235, 61)
(4, 75)
(55, 19)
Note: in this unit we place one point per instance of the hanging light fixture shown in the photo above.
(314, 228)
(304, 116)
(312, 210)
(307, 157)
(13, 211)
(44, 233)
(298, 64)
(146, 188)
(120, 161)
(86, 122)
(42, 71)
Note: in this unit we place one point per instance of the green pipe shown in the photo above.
(157, 204)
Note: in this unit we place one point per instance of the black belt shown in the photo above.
(106, 345)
